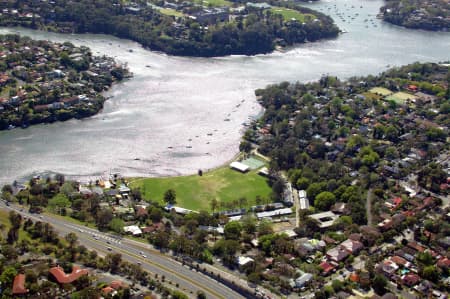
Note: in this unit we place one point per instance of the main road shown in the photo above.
(132, 251)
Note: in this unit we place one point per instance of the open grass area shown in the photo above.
(196, 192)
(289, 14)
(401, 97)
(381, 91)
(216, 3)
(4, 220)
(171, 12)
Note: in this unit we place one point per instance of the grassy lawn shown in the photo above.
(381, 91)
(4, 220)
(171, 12)
(401, 97)
(195, 192)
(289, 14)
(217, 3)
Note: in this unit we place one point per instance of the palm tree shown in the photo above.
(214, 204)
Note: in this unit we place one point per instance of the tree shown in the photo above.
(103, 219)
(254, 277)
(161, 239)
(242, 201)
(232, 230)
(214, 204)
(72, 239)
(303, 183)
(431, 273)
(245, 146)
(170, 197)
(425, 258)
(113, 260)
(155, 214)
(249, 224)
(58, 202)
(265, 227)
(7, 276)
(379, 284)
(324, 200)
(314, 189)
(116, 225)
(337, 285)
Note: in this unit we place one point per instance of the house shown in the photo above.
(19, 285)
(426, 98)
(416, 246)
(67, 102)
(212, 15)
(239, 166)
(303, 280)
(288, 197)
(279, 212)
(443, 263)
(141, 212)
(63, 278)
(153, 228)
(393, 203)
(327, 268)
(400, 261)
(388, 268)
(325, 219)
(340, 208)
(337, 254)
(178, 210)
(303, 200)
(352, 246)
(410, 279)
(242, 261)
(133, 229)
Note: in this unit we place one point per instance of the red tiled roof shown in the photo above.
(326, 267)
(410, 279)
(354, 277)
(444, 263)
(116, 284)
(416, 246)
(107, 290)
(19, 285)
(399, 260)
(141, 212)
(62, 277)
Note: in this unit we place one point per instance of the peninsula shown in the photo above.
(188, 28)
(43, 82)
(428, 15)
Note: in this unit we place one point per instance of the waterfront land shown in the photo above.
(231, 189)
(43, 82)
(194, 28)
(429, 15)
(359, 175)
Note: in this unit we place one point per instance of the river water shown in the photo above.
(178, 114)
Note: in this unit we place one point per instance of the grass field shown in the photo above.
(170, 12)
(196, 192)
(216, 3)
(4, 220)
(401, 97)
(381, 91)
(289, 14)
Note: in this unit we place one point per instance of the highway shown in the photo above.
(132, 251)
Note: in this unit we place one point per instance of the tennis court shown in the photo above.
(253, 163)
